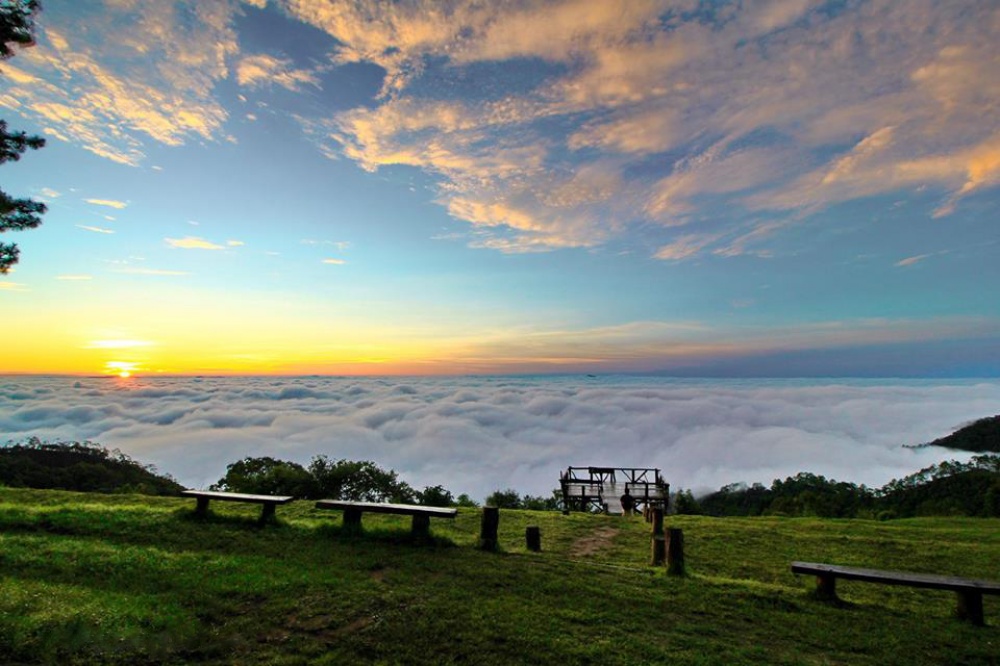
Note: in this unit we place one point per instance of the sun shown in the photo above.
(121, 369)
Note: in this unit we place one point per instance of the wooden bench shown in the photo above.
(970, 591)
(267, 502)
(421, 514)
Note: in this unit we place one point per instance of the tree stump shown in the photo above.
(675, 552)
(533, 538)
(488, 529)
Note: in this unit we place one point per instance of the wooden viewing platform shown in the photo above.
(601, 488)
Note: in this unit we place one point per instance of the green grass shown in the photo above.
(131, 580)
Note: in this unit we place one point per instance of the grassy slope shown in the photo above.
(129, 579)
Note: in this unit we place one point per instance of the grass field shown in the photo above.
(88, 578)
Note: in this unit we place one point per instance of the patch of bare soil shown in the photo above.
(594, 542)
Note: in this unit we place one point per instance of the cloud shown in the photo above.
(149, 74)
(262, 69)
(193, 243)
(117, 344)
(909, 261)
(74, 277)
(235, 243)
(744, 108)
(335, 262)
(151, 271)
(110, 203)
(570, 123)
(685, 246)
(7, 285)
(98, 230)
(479, 435)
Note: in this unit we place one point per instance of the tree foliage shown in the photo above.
(322, 479)
(266, 476)
(17, 26)
(79, 466)
(362, 481)
(511, 499)
(949, 488)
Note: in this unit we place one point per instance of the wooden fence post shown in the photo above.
(488, 529)
(658, 544)
(533, 538)
(675, 552)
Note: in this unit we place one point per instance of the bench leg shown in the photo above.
(970, 606)
(421, 526)
(266, 513)
(352, 520)
(826, 588)
(202, 508)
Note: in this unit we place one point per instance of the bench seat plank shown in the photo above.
(238, 497)
(932, 581)
(381, 507)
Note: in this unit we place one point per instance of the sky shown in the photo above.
(475, 435)
(784, 188)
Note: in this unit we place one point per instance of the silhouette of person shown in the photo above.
(628, 503)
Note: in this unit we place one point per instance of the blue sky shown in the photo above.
(306, 186)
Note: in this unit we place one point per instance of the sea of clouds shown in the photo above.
(476, 435)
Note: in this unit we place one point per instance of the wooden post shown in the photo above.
(488, 529)
(202, 508)
(658, 544)
(675, 552)
(533, 538)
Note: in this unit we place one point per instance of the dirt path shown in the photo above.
(594, 542)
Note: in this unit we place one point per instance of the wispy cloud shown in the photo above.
(335, 262)
(235, 243)
(193, 243)
(909, 261)
(110, 203)
(74, 277)
(151, 271)
(98, 230)
(735, 105)
(117, 344)
(262, 69)
(622, 119)
(154, 80)
(7, 285)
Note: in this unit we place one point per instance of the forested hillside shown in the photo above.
(79, 466)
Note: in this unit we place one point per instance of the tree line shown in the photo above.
(949, 488)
